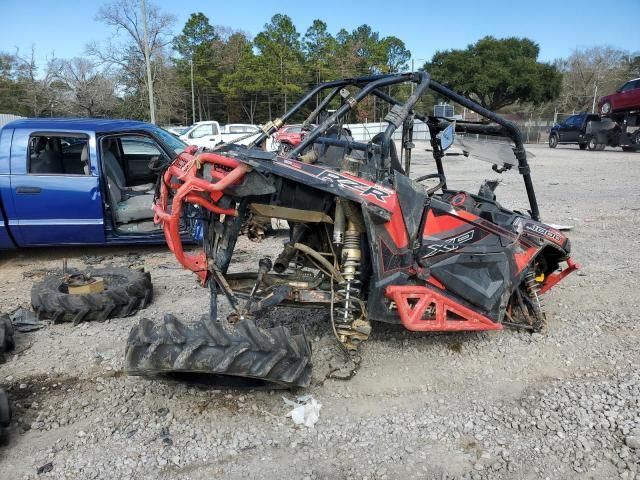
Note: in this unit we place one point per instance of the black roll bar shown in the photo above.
(372, 84)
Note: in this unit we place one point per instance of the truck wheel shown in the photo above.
(583, 146)
(273, 355)
(605, 109)
(553, 140)
(126, 291)
(592, 143)
(6, 335)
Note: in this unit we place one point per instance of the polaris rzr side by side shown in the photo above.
(366, 241)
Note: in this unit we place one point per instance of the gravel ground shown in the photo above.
(483, 405)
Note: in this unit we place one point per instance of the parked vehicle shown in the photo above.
(594, 132)
(210, 134)
(80, 181)
(289, 137)
(626, 98)
(176, 130)
(572, 130)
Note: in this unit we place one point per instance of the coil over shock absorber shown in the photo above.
(532, 288)
(350, 291)
(352, 327)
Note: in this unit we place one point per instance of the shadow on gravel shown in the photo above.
(25, 398)
(209, 381)
(77, 252)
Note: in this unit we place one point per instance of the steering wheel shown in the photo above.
(434, 189)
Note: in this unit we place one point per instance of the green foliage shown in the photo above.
(498, 72)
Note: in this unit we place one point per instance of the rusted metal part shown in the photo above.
(291, 214)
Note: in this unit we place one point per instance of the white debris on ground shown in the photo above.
(306, 410)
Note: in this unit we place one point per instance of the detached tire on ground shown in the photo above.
(126, 291)
(6, 335)
(5, 411)
(273, 355)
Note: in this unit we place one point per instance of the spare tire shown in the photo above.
(126, 291)
(272, 355)
(6, 335)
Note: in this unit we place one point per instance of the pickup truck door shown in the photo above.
(570, 129)
(205, 135)
(56, 200)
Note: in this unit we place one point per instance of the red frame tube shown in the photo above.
(198, 191)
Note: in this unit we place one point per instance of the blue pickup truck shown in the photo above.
(80, 181)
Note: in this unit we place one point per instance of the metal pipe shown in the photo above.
(514, 134)
(339, 142)
(405, 109)
(323, 86)
(322, 105)
(323, 261)
(382, 81)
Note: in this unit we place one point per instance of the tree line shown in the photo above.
(208, 71)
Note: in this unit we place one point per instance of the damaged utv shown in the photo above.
(366, 241)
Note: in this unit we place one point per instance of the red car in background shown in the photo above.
(289, 137)
(626, 98)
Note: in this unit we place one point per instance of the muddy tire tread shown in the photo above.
(274, 355)
(118, 301)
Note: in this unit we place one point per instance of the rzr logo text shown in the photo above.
(344, 182)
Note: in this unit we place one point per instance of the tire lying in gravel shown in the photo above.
(126, 291)
(273, 355)
(6, 335)
(5, 410)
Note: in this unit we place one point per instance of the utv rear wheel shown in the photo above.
(553, 140)
(273, 355)
(126, 291)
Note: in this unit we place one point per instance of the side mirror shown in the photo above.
(445, 138)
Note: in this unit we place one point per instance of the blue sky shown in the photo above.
(64, 27)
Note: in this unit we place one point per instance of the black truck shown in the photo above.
(595, 132)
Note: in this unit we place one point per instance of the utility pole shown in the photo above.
(595, 95)
(152, 107)
(193, 94)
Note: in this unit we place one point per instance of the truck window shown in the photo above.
(140, 146)
(204, 130)
(58, 154)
